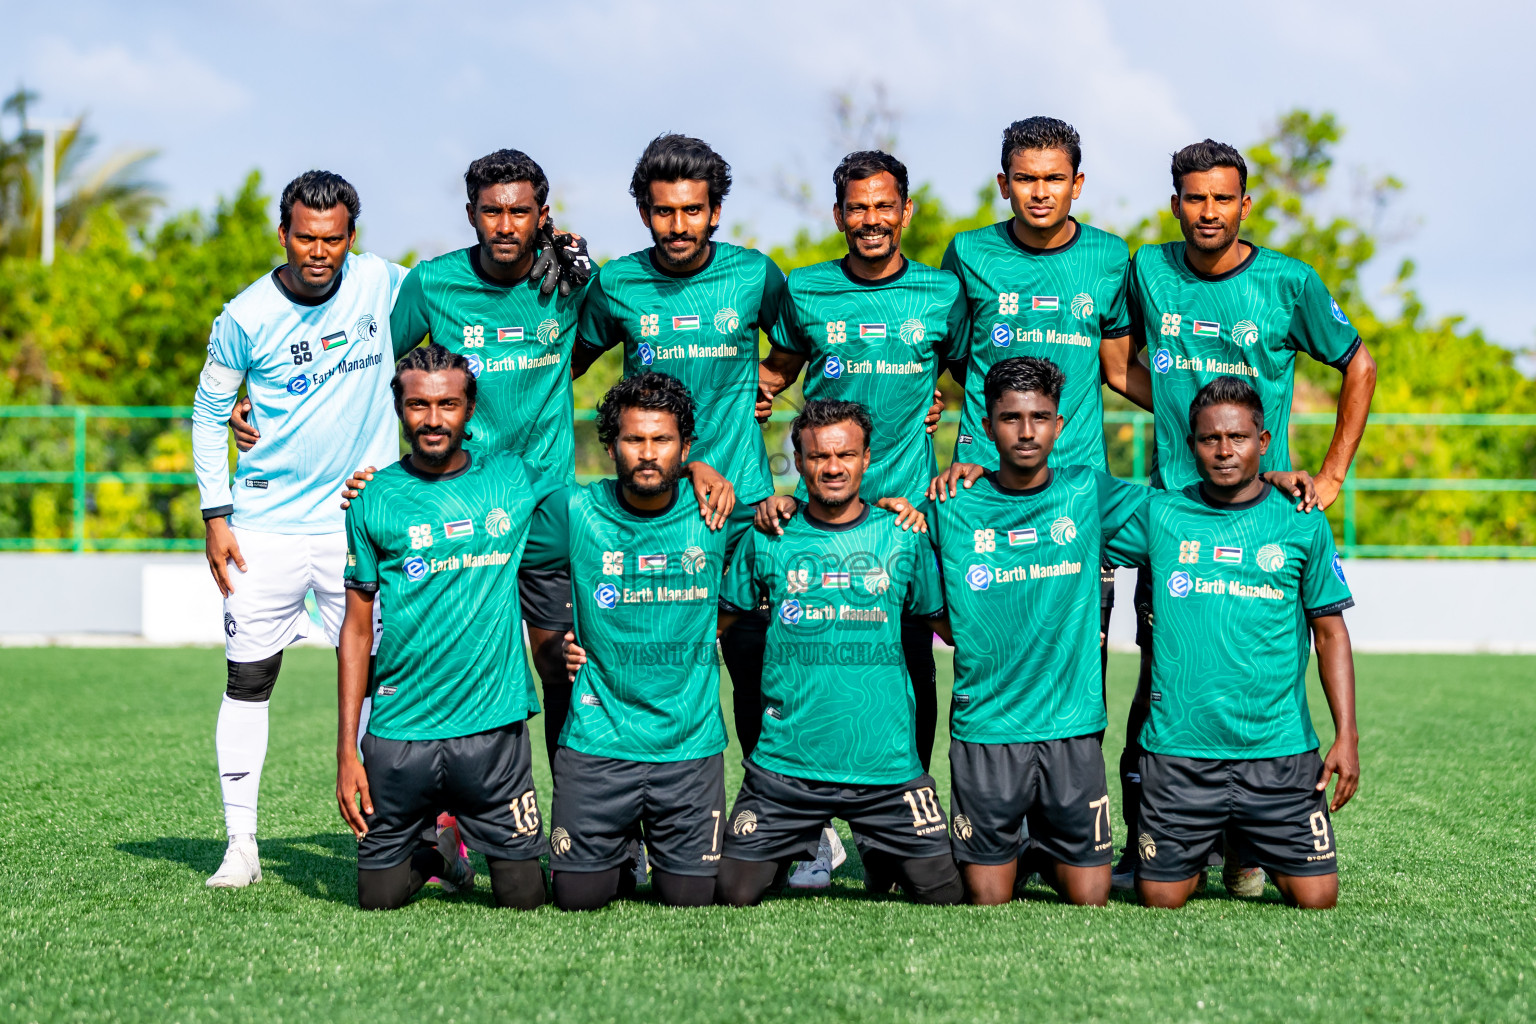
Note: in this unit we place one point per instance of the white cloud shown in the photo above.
(158, 79)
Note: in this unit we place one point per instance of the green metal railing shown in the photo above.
(81, 478)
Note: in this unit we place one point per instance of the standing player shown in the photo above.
(1228, 747)
(837, 721)
(1017, 553)
(440, 535)
(1041, 283)
(643, 748)
(1215, 305)
(311, 343)
(691, 306)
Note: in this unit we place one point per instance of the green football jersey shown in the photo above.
(645, 593)
(1021, 580)
(702, 329)
(443, 553)
(1232, 589)
(1057, 304)
(837, 700)
(518, 343)
(878, 343)
(1248, 322)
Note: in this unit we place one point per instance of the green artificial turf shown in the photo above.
(110, 820)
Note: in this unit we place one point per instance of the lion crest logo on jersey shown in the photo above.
(415, 567)
(497, 522)
(745, 823)
(1245, 333)
(560, 841)
(549, 331)
(963, 828)
(1063, 531)
(1147, 846)
(727, 321)
(366, 327)
(1082, 305)
(876, 580)
(789, 612)
(606, 595)
(912, 332)
(979, 577)
(1179, 584)
(1270, 558)
(693, 559)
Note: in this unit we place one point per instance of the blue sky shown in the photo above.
(400, 97)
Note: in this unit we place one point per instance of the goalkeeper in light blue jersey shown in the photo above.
(311, 343)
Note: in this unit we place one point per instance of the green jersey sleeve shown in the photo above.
(737, 532)
(925, 594)
(788, 333)
(1115, 317)
(1323, 588)
(775, 302)
(408, 323)
(1131, 543)
(957, 327)
(740, 590)
(1319, 327)
(549, 534)
(1119, 501)
(597, 327)
(362, 571)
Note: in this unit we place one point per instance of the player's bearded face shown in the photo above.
(1211, 208)
(832, 460)
(648, 455)
(506, 220)
(435, 410)
(680, 220)
(872, 216)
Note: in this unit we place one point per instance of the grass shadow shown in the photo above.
(322, 866)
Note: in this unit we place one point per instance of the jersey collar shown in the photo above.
(1253, 254)
(861, 282)
(305, 300)
(822, 524)
(473, 254)
(1055, 250)
(640, 513)
(1016, 492)
(434, 478)
(664, 272)
(1237, 506)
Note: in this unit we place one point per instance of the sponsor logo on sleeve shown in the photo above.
(549, 331)
(963, 439)
(871, 331)
(1063, 531)
(1045, 303)
(1082, 305)
(1227, 556)
(415, 567)
(1021, 538)
(652, 563)
(1002, 334)
(1180, 584)
(1338, 314)
(647, 353)
(1162, 362)
(606, 595)
(298, 385)
(505, 334)
(833, 367)
(726, 321)
(1206, 329)
(979, 577)
(1245, 333)
(497, 522)
(835, 580)
(259, 485)
(1338, 570)
(693, 559)
(476, 364)
(591, 700)
(686, 323)
(789, 611)
(1270, 558)
(913, 332)
(331, 341)
(459, 528)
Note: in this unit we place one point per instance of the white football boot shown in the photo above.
(241, 867)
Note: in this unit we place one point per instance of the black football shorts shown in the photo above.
(1269, 809)
(545, 595)
(485, 780)
(1049, 794)
(603, 803)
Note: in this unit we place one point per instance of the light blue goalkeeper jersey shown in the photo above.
(318, 378)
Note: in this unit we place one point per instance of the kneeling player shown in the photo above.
(1240, 576)
(641, 752)
(838, 737)
(441, 534)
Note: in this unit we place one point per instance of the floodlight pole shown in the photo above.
(50, 129)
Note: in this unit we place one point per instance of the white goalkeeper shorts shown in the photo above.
(266, 612)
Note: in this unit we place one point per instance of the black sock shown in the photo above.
(388, 888)
(683, 890)
(587, 890)
(742, 883)
(932, 880)
(518, 884)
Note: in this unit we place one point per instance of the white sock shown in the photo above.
(241, 742)
(362, 724)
